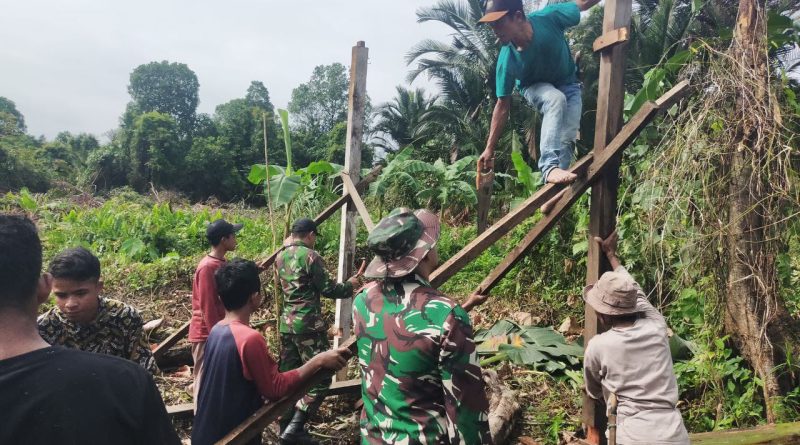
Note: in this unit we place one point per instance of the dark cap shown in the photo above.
(497, 9)
(219, 229)
(304, 225)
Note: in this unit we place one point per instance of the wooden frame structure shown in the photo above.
(599, 170)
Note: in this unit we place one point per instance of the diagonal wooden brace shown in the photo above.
(627, 135)
(501, 227)
(356, 199)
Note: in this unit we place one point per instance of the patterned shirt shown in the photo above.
(304, 279)
(420, 378)
(117, 331)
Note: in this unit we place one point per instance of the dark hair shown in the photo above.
(20, 261)
(236, 281)
(76, 264)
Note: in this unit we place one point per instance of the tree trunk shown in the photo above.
(755, 315)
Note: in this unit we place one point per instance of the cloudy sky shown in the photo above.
(65, 63)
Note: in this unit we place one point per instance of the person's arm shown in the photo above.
(137, 347)
(473, 301)
(498, 124)
(464, 394)
(324, 284)
(584, 5)
(259, 367)
(609, 247)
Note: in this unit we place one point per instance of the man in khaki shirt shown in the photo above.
(632, 359)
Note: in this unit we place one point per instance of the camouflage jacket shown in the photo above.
(304, 279)
(117, 330)
(420, 378)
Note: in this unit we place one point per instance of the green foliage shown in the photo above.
(320, 103)
(168, 88)
(731, 394)
(11, 120)
(536, 347)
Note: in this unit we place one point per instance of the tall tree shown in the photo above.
(168, 88)
(402, 119)
(321, 103)
(258, 96)
(11, 120)
(755, 314)
(155, 152)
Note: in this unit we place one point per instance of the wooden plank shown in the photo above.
(352, 167)
(513, 218)
(609, 39)
(356, 199)
(345, 387)
(255, 424)
(182, 411)
(629, 132)
(176, 336)
(603, 206)
(781, 433)
(331, 209)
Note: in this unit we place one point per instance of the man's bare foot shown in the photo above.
(548, 206)
(559, 176)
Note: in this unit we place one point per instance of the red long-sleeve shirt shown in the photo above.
(207, 309)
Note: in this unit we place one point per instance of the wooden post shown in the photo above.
(352, 168)
(603, 207)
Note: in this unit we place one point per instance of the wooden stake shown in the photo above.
(603, 207)
(352, 168)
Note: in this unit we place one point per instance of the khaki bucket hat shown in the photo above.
(613, 294)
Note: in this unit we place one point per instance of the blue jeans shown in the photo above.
(561, 119)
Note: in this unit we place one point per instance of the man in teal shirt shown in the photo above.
(536, 58)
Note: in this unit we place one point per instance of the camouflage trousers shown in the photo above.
(297, 349)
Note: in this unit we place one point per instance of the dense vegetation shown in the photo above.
(671, 211)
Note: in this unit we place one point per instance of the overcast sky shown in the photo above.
(66, 63)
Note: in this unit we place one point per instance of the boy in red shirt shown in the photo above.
(207, 309)
(240, 375)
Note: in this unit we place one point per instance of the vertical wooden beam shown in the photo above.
(352, 167)
(603, 207)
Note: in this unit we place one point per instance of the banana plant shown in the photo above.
(286, 184)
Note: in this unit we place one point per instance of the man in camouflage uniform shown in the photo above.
(302, 327)
(420, 378)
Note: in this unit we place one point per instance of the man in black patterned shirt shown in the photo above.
(84, 320)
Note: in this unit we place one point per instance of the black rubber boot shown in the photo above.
(295, 433)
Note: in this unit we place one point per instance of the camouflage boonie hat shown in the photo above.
(400, 241)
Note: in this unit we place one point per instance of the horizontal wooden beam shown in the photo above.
(513, 218)
(255, 424)
(345, 387)
(625, 136)
(610, 39)
(356, 199)
(174, 338)
(330, 210)
(182, 411)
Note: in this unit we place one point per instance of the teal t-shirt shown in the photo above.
(547, 58)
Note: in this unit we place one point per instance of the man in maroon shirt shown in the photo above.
(207, 309)
(240, 373)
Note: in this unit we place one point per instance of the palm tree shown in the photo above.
(401, 122)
